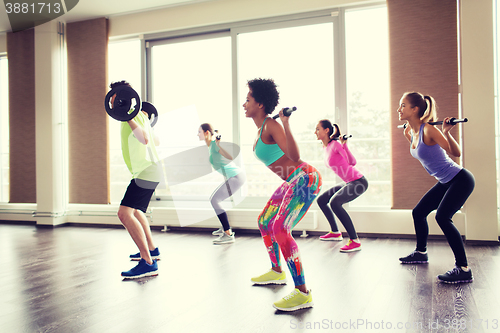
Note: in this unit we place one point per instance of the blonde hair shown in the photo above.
(427, 109)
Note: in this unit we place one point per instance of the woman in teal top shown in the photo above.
(278, 150)
(233, 180)
(267, 153)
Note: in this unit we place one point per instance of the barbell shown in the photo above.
(452, 121)
(286, 112)
(151, 111)
(344, 137)
(127, 104)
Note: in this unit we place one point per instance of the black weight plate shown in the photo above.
(150, 110)
(126, 104)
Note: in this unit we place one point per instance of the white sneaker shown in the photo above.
(224, 239)
(218, 232)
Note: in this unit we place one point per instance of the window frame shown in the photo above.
(3, 56)
(148, 55)
(334, 15)
(330, 17)
(496, 64)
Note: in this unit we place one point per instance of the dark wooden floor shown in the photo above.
(67, 279)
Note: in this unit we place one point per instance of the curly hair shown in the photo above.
(265, 92)
(119, 83)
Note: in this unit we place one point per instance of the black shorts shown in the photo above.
(138, 194)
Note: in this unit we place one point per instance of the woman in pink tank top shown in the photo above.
(338, 157)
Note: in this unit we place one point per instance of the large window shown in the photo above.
(124, 63)
(300, 60)
(367, 83)
(4, 130)
(191, 85)
(320, 65)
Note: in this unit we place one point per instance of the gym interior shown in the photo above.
(62, 173)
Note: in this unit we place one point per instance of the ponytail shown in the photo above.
(430, 113)
(207, 127)
(427, 111)
(326, 124)
(334, 134)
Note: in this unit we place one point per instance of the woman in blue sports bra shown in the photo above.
(431, 147)
(277, 149)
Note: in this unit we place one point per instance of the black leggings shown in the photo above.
(447, 198)
(337, 196)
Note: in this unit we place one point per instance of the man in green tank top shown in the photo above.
(140, 155)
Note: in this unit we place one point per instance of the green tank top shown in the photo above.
(268, 154)
(141, 160)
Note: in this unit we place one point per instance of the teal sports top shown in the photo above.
(268, 154)
(221, 164)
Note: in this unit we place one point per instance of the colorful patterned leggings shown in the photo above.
(283, 211)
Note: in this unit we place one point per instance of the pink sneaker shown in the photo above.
(331, 236)
(351, 246)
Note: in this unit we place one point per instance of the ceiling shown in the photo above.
(88, 9)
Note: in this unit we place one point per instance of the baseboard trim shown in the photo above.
(482, 243)
(251, 231)
(18, 222)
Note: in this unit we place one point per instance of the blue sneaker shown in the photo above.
(142, 269)
(155, 254)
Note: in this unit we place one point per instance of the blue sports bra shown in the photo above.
(267, 153)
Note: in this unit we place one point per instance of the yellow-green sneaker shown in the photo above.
(270, 277)
(295, 301)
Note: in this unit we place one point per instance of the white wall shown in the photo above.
(216, 12)
(478, 105)
(51, 199)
